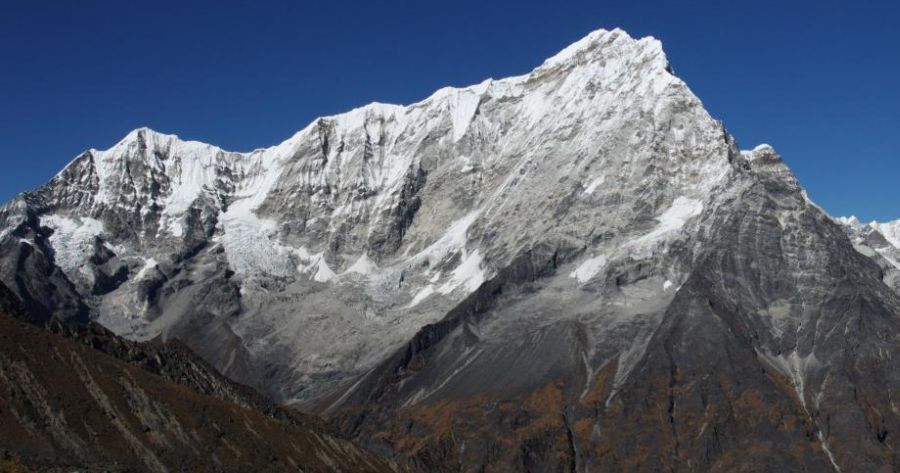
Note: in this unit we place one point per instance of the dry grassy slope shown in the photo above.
(176, 362)
(170, 359)
(63, 404)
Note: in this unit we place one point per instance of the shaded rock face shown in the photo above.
(175, 362)
(575, 269)
(35, 278)
(66, 406)
(776, 353)
(171, 360)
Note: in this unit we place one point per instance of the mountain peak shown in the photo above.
(599, 43)
(148, 138)
(142, 137)
(145, 133)
(850, 221)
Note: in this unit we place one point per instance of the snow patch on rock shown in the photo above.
(594, 184)
(420, 296)
(149, 265)
(670, 223)
(454, 239)
(323, 272)
(363, 266)
(72, 241)
(589, 268)
(468, 275)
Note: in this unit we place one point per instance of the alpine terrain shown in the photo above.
(575, 269)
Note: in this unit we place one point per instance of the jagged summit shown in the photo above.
(145, 133)
(147, 137)
(596, 45)
(161, 177)
(890, 231)
(604, 46)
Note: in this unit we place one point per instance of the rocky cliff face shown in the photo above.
(775, 353)
(573, 269)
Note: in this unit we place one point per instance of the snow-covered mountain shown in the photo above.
(879, 241)
(889, 230)
(542, 259)
(350, 236)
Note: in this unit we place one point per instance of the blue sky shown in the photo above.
(817, 79)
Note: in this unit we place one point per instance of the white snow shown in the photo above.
(468, 275)
(678, 214)
(363, 266)
(594, 184)
(890, 230)
(572, 50)
(356, 119)
(462, 108)
(763, 147)
(454, 239)
(850, 221)
(192, 168)
(149, 264)
(72, 241)
(420, 296)
(667, 285)
(670, 223)
(251, 244)
(534, 106)
(323, 273)
(189, 165)
(589, 268)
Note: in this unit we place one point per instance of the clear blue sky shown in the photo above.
(816, 79)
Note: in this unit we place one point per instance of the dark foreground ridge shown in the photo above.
(65, 406)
